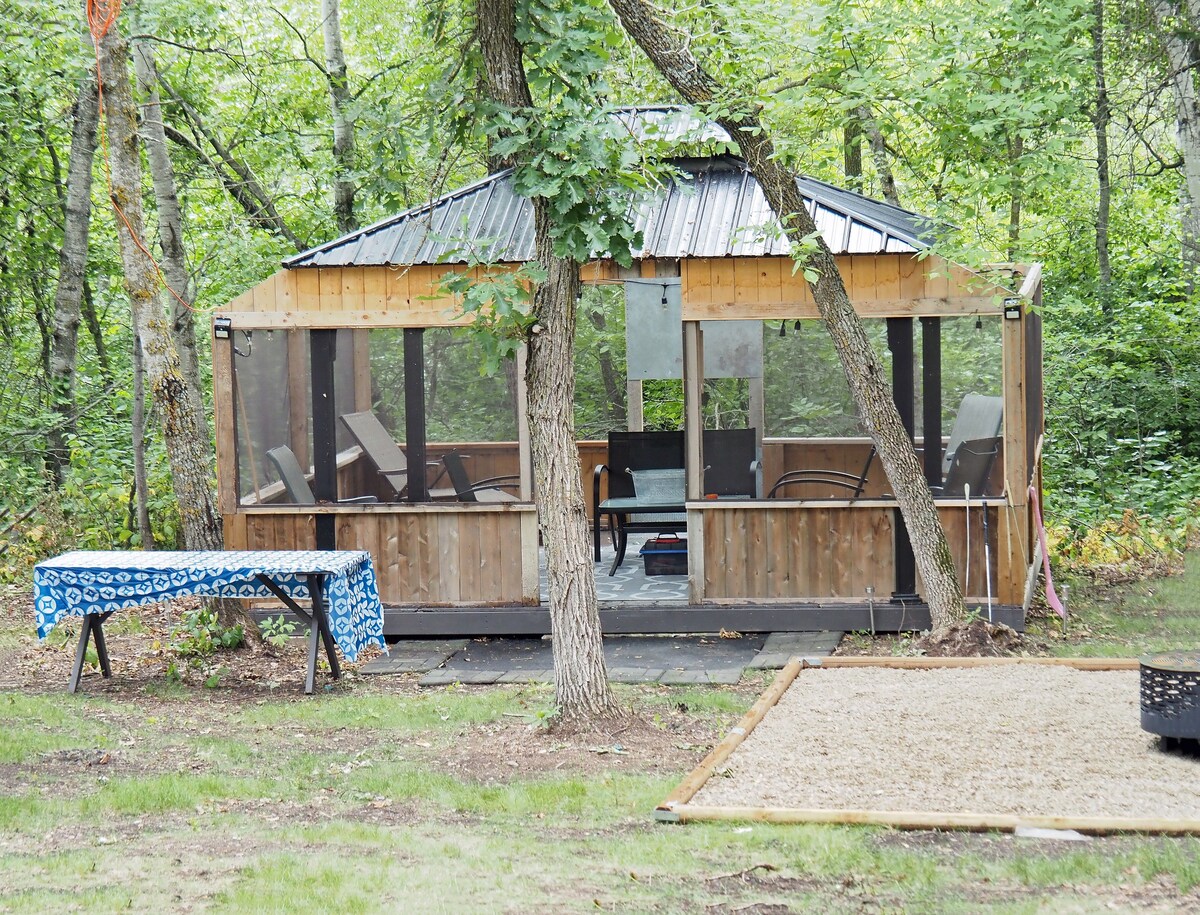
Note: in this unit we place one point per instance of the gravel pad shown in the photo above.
(1027, 740)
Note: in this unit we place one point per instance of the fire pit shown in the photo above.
(1171, 695)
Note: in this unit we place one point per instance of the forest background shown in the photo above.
(1041, 132)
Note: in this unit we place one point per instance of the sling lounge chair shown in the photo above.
(382, 451)
(296, 483)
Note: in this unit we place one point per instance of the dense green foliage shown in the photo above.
(985, 116)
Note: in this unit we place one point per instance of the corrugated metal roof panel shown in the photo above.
(716, 209)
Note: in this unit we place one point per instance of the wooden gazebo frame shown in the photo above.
(755, 564)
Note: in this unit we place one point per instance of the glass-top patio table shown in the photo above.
(345, 607)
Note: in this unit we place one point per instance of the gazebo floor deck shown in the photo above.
(675, 617)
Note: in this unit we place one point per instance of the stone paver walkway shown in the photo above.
(631, 658)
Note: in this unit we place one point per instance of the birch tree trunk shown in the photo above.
(183, 427)
(581, 688)
(1178, 23)
(344, 186)
(170, 227)
(72, 261)
(668, 50)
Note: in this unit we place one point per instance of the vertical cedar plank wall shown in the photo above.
(812, 551)
(442, 556)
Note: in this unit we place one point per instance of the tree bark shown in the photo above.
(72, 263)
(141, 487)
(1178, 24)
(581, 688)
(1101, 115)
(669, 51)
(852, 163)
(614, 392)
(879, 155)
(344, 186)
(183, 428)
(170, 228)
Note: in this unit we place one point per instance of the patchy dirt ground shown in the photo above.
(662, 739)
(144, 668)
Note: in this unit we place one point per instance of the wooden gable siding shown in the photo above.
(350, 297)
(879, 285)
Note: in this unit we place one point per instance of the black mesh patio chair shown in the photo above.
(491, 489)
(847, 484)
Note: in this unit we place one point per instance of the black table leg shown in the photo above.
(596, 532)
(316, 587)
(620, 540)
(318, 626)
(93, 627)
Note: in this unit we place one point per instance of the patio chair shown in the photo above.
(382, 451)
(296, 483)
(980, 416)
(972, 465)
(731, 463)
(487, 490)
(851, 485)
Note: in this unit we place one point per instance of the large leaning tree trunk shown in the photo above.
(183, 427)
(581, 689)
(72, 262)
(669, 51)
(1178, 23)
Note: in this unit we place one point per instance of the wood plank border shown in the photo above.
(677, 806)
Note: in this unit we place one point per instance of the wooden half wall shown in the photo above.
(783, 550)
(441, 554)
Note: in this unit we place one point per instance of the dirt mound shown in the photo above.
(973, 638)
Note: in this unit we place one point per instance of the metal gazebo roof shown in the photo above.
(714, 209)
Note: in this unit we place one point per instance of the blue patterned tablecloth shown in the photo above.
(79, 583)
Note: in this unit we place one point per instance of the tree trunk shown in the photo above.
(1101, 115)
(852, 163)
(344, 186)
(581, 689)
(879, 155)
(183, 428)
(1016, 194)
(669, 52)
(614, 392)
(141, 488)
(92, 321)
(72, 262)
(1178, 25)
(170, 228)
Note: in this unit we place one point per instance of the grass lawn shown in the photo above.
(145, 794)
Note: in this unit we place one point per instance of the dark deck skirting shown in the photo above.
(674, 618)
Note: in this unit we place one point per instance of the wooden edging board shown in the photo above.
(678, 809)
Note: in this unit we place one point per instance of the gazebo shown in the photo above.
(342, 329)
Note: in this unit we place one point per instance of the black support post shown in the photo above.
(323, 350)
(900, 342)
(414, 412)
(931, 397)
